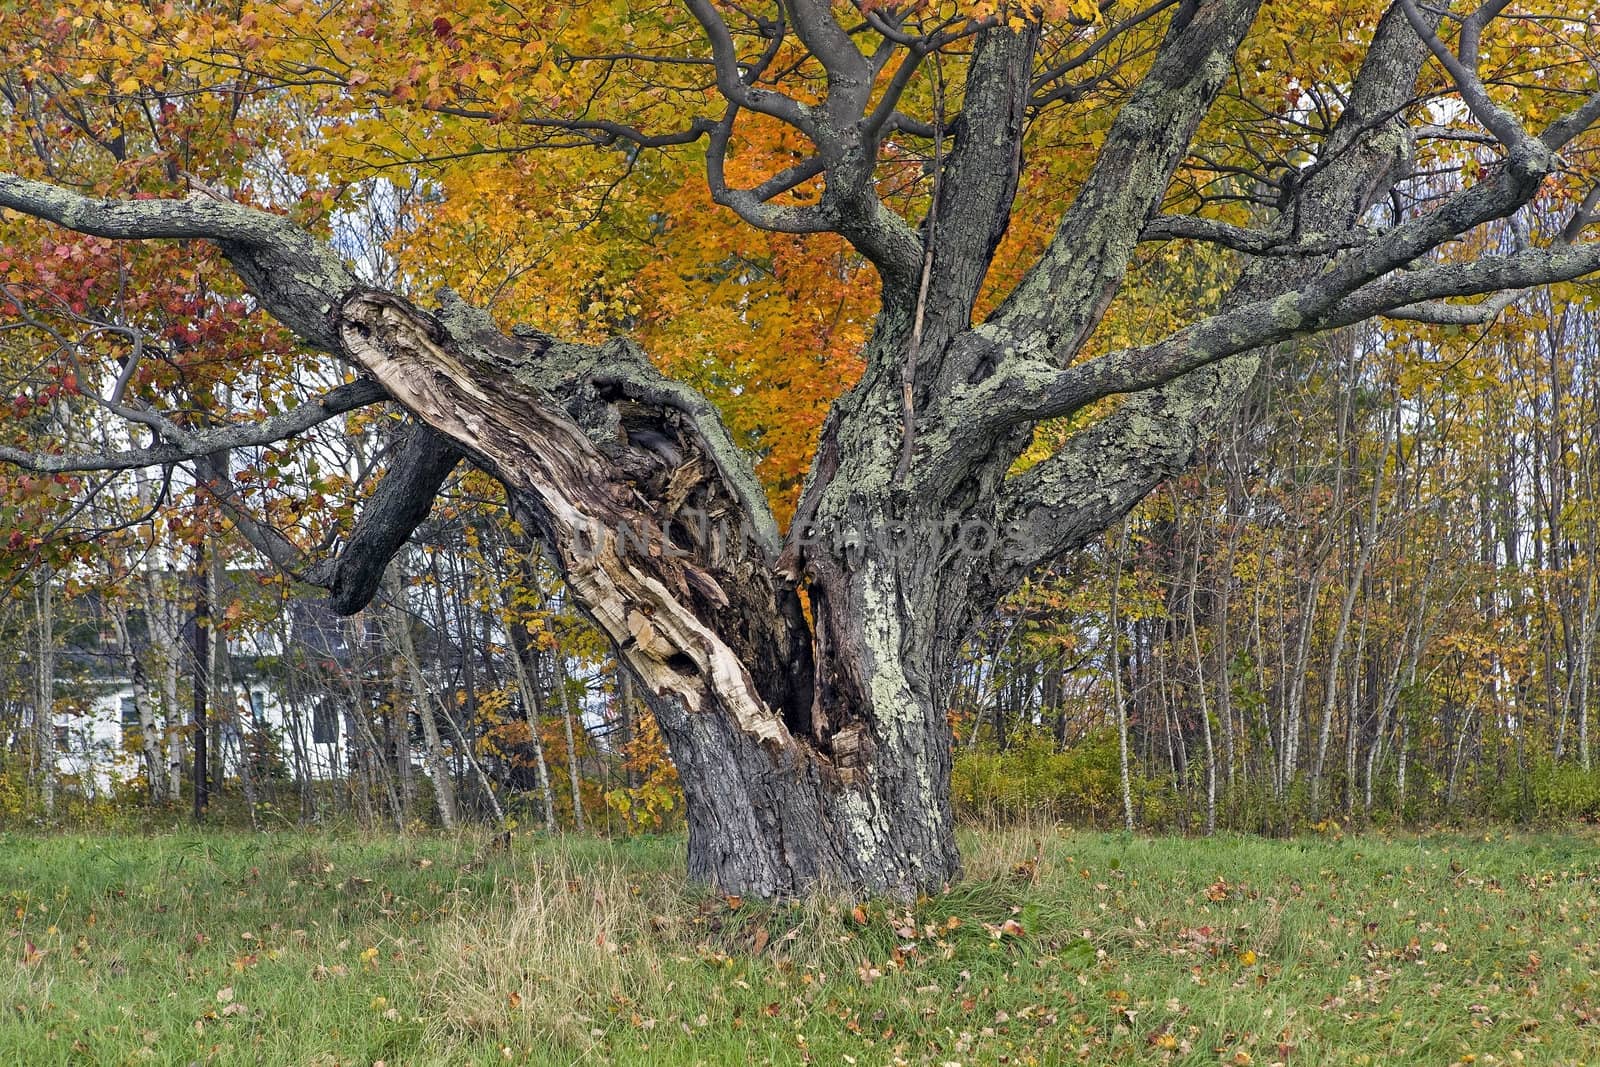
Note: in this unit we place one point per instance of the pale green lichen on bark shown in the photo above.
(1285, 312)
(855, 814)
(898, 717)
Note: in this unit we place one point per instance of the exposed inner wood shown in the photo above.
(613, 521)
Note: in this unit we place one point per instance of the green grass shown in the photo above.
(298, 949)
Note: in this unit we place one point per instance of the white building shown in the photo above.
(98, 743)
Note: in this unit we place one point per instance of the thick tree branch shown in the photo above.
(1031, 389)
(1244, 239)
(1438, 313)
(752, 205)
(731, 78)
(1062, 297)
(1486, 311)
(443, 369)
(586, 489)
(195, 216)
(1562, 131)
(1399, 295)
(1045, 393)
(849, 72)
(846, 140)
(1105, 469)
(979, 182)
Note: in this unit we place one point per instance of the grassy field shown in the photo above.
(1059, 948)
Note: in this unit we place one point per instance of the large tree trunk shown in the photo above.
(798, 680)
(865, 805)
(810, 750)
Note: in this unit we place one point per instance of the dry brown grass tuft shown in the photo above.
(553, 954)
(569, 949)
(1009, 851)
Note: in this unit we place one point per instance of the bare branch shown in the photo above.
(1044, 94)
(731, 81)
(1464, 70)
(193, 445)
(1434, 131)
(599, 131)
(211, 475)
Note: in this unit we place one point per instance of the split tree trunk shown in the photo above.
(810, 750)
(799, 680)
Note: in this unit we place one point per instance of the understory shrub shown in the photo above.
(1079, 784)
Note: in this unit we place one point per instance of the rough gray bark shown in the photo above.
(798, 678)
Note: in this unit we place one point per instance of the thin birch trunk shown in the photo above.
(438, 768)
(1205, 711)
(150, 760)
(44, 690)
(533, 707)
(568, 700)
(1346, 610)
(1116, 682)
